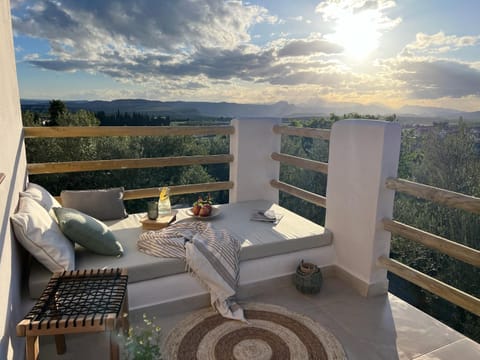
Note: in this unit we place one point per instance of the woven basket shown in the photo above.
(308, 278)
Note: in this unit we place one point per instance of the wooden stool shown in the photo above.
(76, 302)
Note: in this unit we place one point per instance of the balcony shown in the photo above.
(354, 303)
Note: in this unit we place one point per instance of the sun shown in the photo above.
(359, 34)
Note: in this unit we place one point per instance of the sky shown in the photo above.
(393, 53)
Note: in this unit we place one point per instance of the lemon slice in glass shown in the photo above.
(164, 193)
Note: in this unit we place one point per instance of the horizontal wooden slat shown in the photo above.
(95, 165)
(305, 132)
(301, 162)
(438, 195)
(178, 190)
(300, 193)
(65, 326)
(445, 291)
(451, 248)
(174, 190)
(93, 131)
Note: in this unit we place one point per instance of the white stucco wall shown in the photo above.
(13, 164)
(252, 168)
(363, 153)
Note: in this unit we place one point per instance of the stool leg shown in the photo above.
(60, 344)
(114, 352)
(124, 314)
(32, 348)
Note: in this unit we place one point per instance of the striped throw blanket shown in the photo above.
(211, 254)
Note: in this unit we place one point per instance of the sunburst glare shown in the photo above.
(359, 34)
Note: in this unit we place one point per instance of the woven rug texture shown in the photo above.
(272, 332)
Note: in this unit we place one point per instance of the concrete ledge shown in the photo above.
(363, 288)
(181, 287)
(245, 291)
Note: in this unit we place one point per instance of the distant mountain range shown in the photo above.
(193, 110)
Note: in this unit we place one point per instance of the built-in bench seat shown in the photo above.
(293, 234)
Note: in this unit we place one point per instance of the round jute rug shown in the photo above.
(272, 332)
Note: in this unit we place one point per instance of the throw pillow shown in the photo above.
(40, 236)
(88, 232)
(106, 204)
(42, 196)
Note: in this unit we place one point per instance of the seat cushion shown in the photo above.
(259, 239)
(104, 204)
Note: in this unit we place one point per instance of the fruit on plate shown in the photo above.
(196, 209)
(202, 207)
(206, 210)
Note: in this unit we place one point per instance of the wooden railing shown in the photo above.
(121, 164)
(106, 131)
(300, 193)
(179, 190)
(448, 247)
(96, 131)
(445, 291)
(304, 132)
(437, 195)
(445, 246)
(308, 164)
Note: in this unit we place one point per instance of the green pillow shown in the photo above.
(88, 232)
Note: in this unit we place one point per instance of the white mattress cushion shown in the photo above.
(259, 239)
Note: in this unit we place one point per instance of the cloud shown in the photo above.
(141, 39)
(436, 78)
(425, 75)
(149, 42)
(246, 62)
(295, 18)
(338, 10)
(326, 79)
(438, 43)
(15, 3)
(195, 49)
(31, 56)
(300, 47)
(152, 26)
(60, 65)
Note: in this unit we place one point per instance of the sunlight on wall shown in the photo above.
(13, 164)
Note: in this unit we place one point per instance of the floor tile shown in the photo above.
(464, 349)
(382, 327)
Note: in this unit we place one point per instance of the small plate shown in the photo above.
(215, 212)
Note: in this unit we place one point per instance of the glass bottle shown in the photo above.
(164, 206)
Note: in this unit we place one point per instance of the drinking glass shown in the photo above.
(152, 211)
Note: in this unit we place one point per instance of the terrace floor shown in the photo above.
(382, 327)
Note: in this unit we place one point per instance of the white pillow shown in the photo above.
(40, 235)
(42, 196)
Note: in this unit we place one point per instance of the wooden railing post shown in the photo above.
(363, 154)
(252, 169)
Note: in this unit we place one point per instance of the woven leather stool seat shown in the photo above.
(78, 302)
